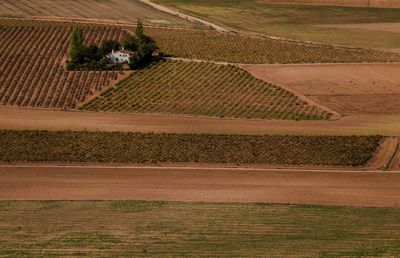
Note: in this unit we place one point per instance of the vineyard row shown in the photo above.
(207, 89)
(119, 147)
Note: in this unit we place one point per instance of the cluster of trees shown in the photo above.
(92, 57)
(142, 45)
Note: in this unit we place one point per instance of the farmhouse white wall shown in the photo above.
(119, 56)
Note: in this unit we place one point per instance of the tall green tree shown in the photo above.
(139, 32)
(76, 44)
(130, 42)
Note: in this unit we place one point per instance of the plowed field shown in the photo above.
(371, 89)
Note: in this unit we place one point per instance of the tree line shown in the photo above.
(92, 57)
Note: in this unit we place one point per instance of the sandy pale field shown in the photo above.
(352, 188)
(369, 89)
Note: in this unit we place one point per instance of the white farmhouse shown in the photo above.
(119, 56)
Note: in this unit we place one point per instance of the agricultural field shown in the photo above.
(358, 3)
(302, 22)
(135, 228)
(89, 10)
(32, 72)
(215, 46)
(178, 87)
(118, 147)
(350, 89)
(38, 77)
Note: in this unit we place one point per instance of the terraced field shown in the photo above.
(32, 72)
(179, 87)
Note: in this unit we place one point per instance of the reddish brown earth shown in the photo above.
(208, 185)
(383, 155)
(360, 3)
(395, 163)
(26, 118)
(345, 88)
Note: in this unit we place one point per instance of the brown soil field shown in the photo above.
(383, 154)
(359, 3)
(395, 163)
(344, 88)
(27, 118)
(121, 10)
(384, 26)
(206, 185)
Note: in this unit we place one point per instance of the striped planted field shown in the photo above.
(32, 72)
(227, 47)
(200, 88)
(120, 147)
(92, 10)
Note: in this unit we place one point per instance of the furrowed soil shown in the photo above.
(137, 228)
(362, 89)
(121, 10)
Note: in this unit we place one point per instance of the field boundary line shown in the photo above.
(185, 16)
(278, 169)
(386, 167)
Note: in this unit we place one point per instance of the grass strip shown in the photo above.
(132, 228)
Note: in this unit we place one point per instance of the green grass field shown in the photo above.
(178, 87)
(297, 21)
(135, 228)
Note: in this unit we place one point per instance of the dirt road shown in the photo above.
(201, 184)
(17, 118)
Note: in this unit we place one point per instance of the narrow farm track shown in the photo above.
(28, 118)
(383, 157)
(394, 163)
(32, 70)
(201, 184)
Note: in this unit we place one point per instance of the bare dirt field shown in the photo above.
(345, 88)
(206, 185)
(359, 3)
(26, 118)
